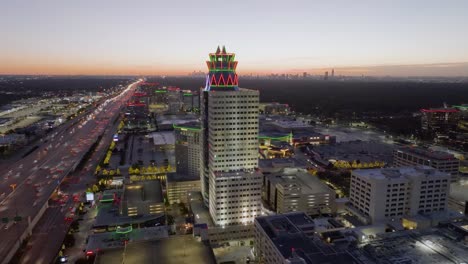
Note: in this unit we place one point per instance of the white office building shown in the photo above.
(379, 195)
(231, 182)
(439, 160)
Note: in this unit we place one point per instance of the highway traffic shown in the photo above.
(29, 183)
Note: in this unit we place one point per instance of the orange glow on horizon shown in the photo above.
(42, 66)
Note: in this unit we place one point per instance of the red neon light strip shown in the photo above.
(221, 77)
(439, 110)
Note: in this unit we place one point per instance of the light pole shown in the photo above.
(16, 218)
(123, 254)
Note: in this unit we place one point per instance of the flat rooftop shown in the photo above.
(178, 177)
(428, 247)
(399, 173)
(365, 151)
(194, 125)
(109, 215)
(310, 184)
(290, 124)
(285, 231)
(163, 138)
(280, 163)
(200, 211)
(116, 239)
(427, 153)
(459, 191)
(171, 250)
(144, 191)
(176, 119)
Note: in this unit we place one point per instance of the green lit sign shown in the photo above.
(124, 230)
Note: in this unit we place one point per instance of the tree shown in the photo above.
(75, 226)
(133, 178)
(95, 188)
(98, 169)
(117, 171)
(69, 240)
(170, 219)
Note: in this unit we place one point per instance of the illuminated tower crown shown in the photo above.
(222, 71)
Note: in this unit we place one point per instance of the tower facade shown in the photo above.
(222, 74)
(231, 183)
(187, 150)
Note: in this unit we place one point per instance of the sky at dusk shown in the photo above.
(149, 37)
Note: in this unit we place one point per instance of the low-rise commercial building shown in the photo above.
(274, 108)
(293, 189)
(178, 186)
(290, 238)
(143, 198)
(439, 160)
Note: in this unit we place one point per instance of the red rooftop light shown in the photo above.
(448, 110)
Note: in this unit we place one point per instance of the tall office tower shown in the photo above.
(231, 183)
(187, 149)
(333, 73)
(439, 120)
(326, 76)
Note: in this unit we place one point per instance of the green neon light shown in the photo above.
(464, 107)
(106, 200)
(188, 94)
(289, 136)
(124, 230)
(222, 70)
(161, 91)
(226, 57)
(185, 128)
(274, 138)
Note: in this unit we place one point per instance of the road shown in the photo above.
(38, 175)
(52, 231)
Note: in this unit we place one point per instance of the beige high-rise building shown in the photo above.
(378, 195)
(231, 183)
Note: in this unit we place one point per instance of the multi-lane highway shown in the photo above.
(50, 231)
(29, 183)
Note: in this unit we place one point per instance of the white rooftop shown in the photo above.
(399, 173)
(163, 138)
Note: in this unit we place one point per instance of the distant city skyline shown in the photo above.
(395, 38)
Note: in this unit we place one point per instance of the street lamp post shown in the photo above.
(16, 218)
(125, 249)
